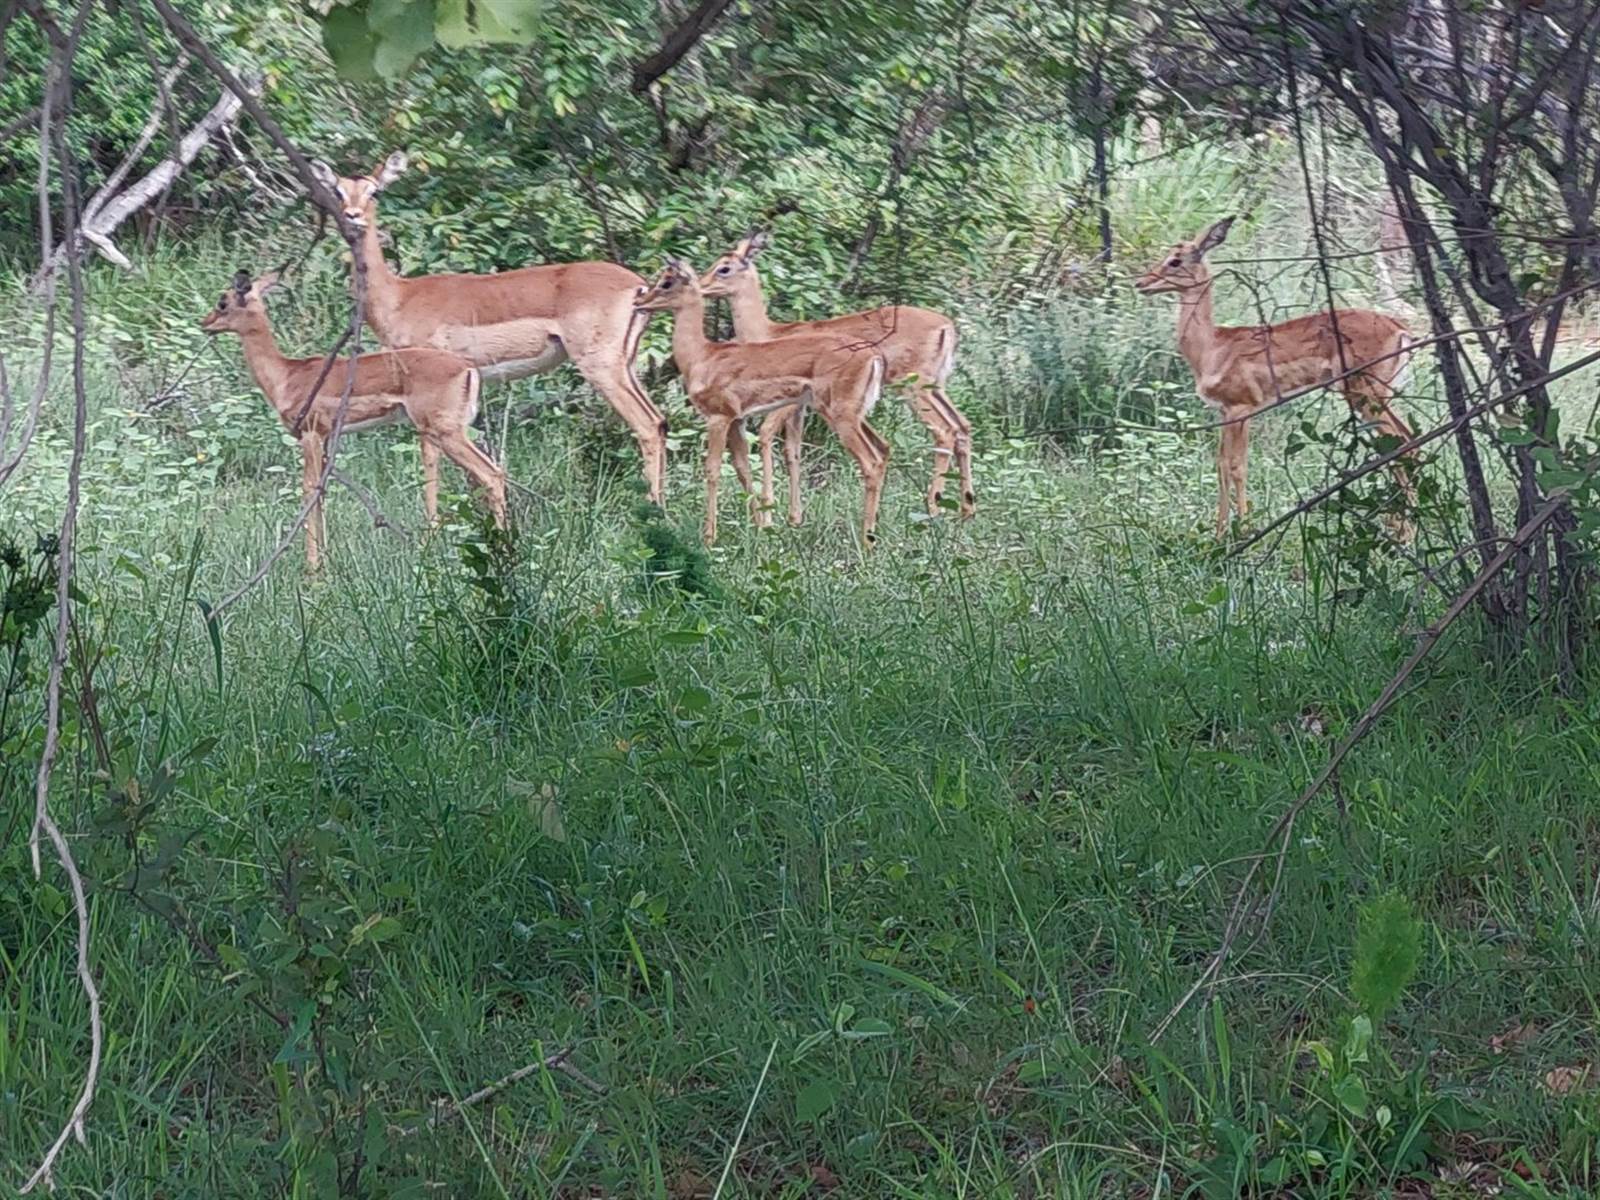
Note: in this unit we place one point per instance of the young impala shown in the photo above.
(1239, 369)
(917, 344)
(514, 323)
(731, 382)
(437, 392)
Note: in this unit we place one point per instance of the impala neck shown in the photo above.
(689, 342)
(269, 366)
(750, 320)
(382, 283)
(1197, 327)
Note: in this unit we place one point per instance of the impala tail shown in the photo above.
(474, 392)
(874, 386)
(947, 355)
(1405, 346)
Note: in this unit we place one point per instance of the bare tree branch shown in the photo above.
(679, 42)
(44, 825)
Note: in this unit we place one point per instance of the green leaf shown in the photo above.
(402, 29)
(214, 632)
(869, 1027)
(1352, 1093)
(931, 990)
(463, 23)
(349, 43)
(1355, 1045)
(815, 1099)
(291, 1050)
(1516, 435)
(693, 699)
(684, 637)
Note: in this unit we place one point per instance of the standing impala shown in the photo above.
(1239, 369)
(434, 390)
(730, 382)
(917, 345)
(514, 323)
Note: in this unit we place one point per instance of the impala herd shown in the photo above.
(446, 334)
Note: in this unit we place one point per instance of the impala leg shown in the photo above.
(614, 380)
(739, 451)
(929, 411)
(486, 475)
(1222, 481)
(310, 481)
(794, 436)
(430, 479)
(765, 436)
(952, 439)
(716, 440)
(969, 498)
(870, 451)
(1239, 469)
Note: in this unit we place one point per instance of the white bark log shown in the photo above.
(108, 209)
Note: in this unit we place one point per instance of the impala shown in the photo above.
(434, 390)
(1240, 369)
(731, 382)
(918, 346)
(514, 323)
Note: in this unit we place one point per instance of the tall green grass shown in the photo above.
(864, 872)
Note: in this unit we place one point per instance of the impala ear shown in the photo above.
(325, 175)
(268, 281)
(241, 284)
(393, 167)
(1212, 238)
(753, 243)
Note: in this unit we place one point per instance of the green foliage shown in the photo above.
(1388, 951)
(671, 561)
(27, 596)
(368, 39)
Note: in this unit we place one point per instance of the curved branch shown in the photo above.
(679, 42)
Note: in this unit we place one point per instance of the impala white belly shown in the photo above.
(510, 350)
(393, 417)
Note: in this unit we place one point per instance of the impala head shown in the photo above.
(673, 288)
(240, 308)
(358, 195)
(1183, 267)
(736, 268)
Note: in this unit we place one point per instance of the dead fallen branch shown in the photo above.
(444, 1111)
(109, 208)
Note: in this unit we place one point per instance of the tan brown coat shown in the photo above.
(437, 392)
(732, 382)
(917, 344)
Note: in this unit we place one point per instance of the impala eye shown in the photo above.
(1174, 262)
(222, 302)
(724, 269)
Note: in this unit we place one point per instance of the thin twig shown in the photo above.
(47, 116)
(1406, 447)
(44, 824)
(1279, 833)
(380, 519)
(733, 1151)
